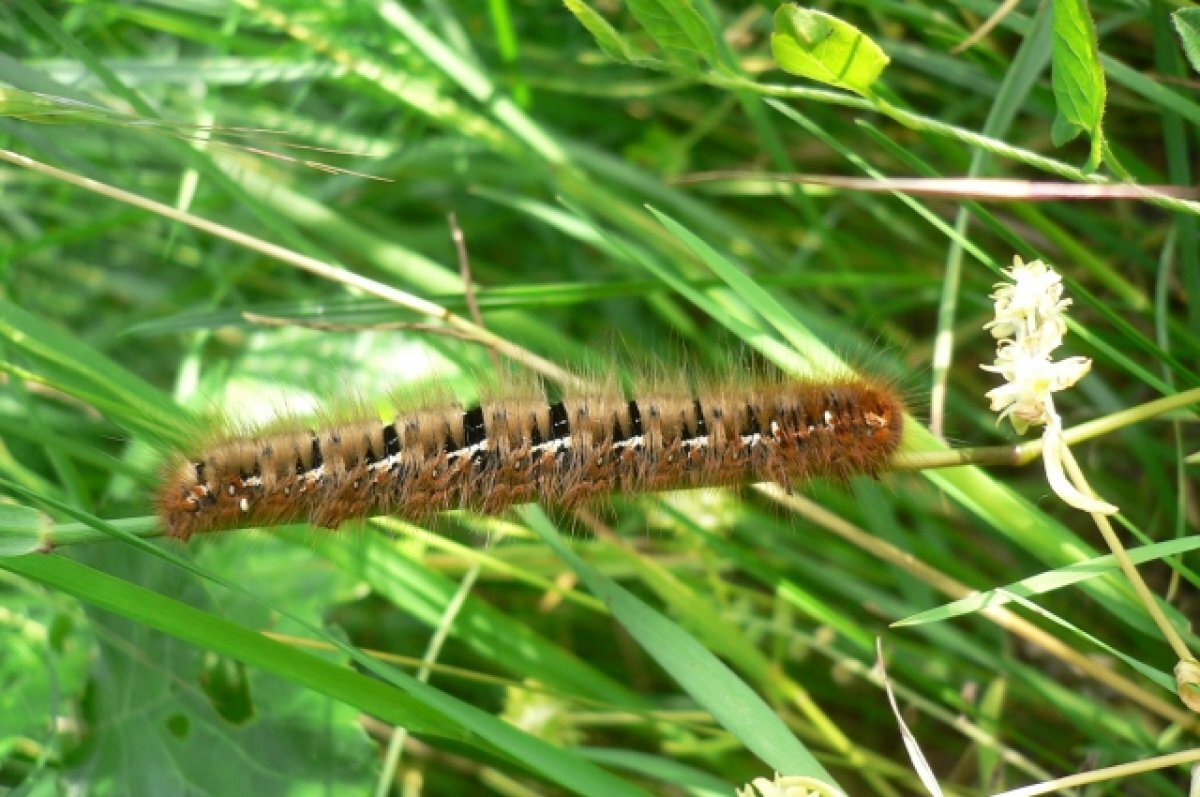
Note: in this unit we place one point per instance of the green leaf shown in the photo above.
(174, 714)
(991, 719)
(663, 767)
(1187, 25)
(613, 44)
(156, 611)
(678, 28)
(30, 106)
(44, 668)
(1078, 79)
(823, 48)
(1159, 677)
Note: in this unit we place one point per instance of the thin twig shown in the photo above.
(1145, 596)
(329, 326)
(1106, 774)
(464, 269)
(977, 189)
(980, 33)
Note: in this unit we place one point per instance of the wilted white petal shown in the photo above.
(1070, 371)
(1026, 397)
(1053, 451)
(1001, 329)
(1187, 686)
(1002, 397)
(759, 787)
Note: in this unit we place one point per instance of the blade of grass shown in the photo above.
(1050, 581)
(710, 683)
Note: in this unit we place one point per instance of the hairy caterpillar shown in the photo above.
(529, 448)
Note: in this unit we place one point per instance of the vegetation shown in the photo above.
(218, 211)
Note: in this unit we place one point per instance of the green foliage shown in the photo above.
(714, 686)
(1187, 25)
(689, 643)
(678, 29)
(823, 48)
(1079, 87)
(613, 44)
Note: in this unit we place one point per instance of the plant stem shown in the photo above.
(1144, 594)
(1024, 453)
(1108, 773)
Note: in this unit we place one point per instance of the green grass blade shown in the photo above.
(213, 633)
(709, 682)
(1049, 581)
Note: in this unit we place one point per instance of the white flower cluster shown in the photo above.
(788, 786)
(1029, 324)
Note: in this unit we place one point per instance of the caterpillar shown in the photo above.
(511, 450)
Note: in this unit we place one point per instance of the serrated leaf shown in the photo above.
(1187, 25)
(1063, 130)
(678, 28)
(607, 37)
(823, 48)
(1078, 79)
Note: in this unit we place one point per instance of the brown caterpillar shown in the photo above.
(517, 450)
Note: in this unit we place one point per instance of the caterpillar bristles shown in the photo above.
(519, 446)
